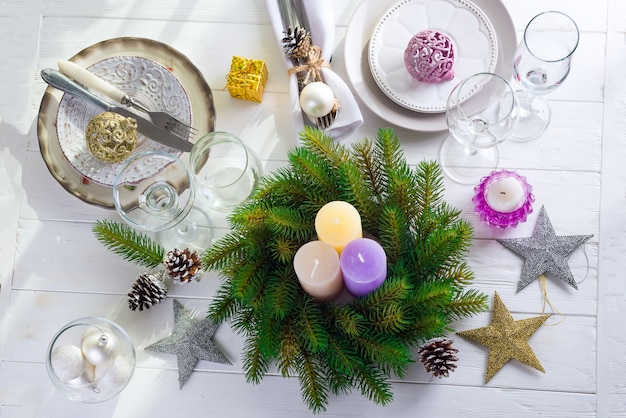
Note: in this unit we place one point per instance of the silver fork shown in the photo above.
(95, 83)
(162, 119)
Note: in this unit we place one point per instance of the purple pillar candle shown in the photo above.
(503, 199)
(363, 265)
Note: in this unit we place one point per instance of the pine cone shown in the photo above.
(147, 290)
(438, 357)
(297, 42)
(182, 266)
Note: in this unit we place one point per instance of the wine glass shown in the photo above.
(226, 171)
(541, 63)
(153, 191)
(480, 112)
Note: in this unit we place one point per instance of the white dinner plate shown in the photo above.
(359, 31)
(473, 38)
(148, 82)
(191, 99)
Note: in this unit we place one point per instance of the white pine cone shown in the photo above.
(438, 357)
(183, 265)
(147, 290)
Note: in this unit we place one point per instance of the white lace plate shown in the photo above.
(158, 75)
(472, 35)
(147, 81)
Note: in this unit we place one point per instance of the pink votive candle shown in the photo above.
(317, 266)
(363, 265)
(503, 199)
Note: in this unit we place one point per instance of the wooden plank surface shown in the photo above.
(53, 270)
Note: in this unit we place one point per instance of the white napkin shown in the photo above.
(322, 22)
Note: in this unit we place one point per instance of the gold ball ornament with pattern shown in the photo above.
(111, 137)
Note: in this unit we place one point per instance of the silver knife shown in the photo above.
(58, 80)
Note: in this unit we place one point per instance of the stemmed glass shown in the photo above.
(480, 112)
(541, 63)
(153, 191)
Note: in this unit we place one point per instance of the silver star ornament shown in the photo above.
(545, 252)
(191, 341)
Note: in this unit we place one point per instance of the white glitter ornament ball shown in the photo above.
(99, 347)
(317, 99)
(86, 378)
(113, 377)
(68, 362)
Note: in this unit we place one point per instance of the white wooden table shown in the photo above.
(53, 270)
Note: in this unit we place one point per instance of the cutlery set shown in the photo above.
(160, 126)
(296, 24)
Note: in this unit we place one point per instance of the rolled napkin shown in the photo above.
(322, 29)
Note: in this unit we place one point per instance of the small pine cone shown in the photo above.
(182, 266)
(297, 42)
(439, 357)
(147, 290)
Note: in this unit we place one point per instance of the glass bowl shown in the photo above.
(90, 360)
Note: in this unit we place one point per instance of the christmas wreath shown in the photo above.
(331, 347)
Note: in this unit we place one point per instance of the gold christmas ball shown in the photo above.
(111, 137)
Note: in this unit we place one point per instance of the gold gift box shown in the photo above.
(246, 79)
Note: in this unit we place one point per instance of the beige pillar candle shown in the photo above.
(317, 266)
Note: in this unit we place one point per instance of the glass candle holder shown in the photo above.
(503, 199)
(226, 170)
(90, 360)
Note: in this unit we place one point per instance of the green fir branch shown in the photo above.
(394, 233)
(467, 304)
(224, 305)
(311, 327)
(348, 320)
(374, 385)
(370, 167)
(289, 350)
(352, 190)
(324, 146)
(312, 382)
(290, 223)
(281, 287)
(129, 244)
(255, 365)
(224, 252)
(306, 164)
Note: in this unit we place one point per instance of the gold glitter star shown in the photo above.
(506, 338)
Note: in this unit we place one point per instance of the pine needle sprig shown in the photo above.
(290, 223)
(312, 381)
(311, 328)
(371, 169)
(221, 254)
(281, 287)
(467, 303)
(307, 164)
(394, 233)
(129, 244)
(352, 190)
(255, 365)
(324, 146)
(348, 321)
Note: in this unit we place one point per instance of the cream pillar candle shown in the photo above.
(337, 223)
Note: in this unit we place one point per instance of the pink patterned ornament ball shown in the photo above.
(429, 57)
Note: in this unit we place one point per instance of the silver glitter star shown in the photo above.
(190, 341)
(545, 252)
